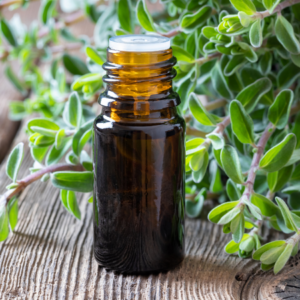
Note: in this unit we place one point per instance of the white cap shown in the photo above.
(139, 43)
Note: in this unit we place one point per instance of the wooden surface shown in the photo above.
(50, 257)
(50, 254)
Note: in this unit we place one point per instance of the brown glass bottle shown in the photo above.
(139, 165)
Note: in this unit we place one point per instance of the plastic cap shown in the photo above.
(139, 43)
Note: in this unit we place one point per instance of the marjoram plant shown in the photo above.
(238, 75)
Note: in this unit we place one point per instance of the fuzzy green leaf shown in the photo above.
(231, 164)
(74, 65)
(82, 136)
(73, 111)
(218, 212)
(14, 161)
(251, 94)
(277, 157)
(191, 21)
(8, 33)
(13, 211)
(280, 109)
(199, 112)
(144, 16)
(124, 15)
(283, 258)
(255, 34)
(246, 6)
(286, 36)
(4, 223)
(266, 206)
(287, 216)
(94, 55)
(74, 181)
(270, 4)
(73, 205)
(242, 124)
(260, 251)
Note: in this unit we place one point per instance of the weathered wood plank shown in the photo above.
(50, 257)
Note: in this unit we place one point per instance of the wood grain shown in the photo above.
(50, 257)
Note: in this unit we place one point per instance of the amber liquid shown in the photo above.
(139, 175)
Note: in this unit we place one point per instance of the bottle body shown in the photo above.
(139, 160)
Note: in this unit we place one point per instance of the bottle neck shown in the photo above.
(140, 82)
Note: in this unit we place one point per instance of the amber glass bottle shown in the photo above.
(139, 160)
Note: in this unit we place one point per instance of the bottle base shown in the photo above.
(139, 272)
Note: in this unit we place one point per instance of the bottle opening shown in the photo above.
(139, 43)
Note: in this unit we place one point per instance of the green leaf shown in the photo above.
(90, 199)
(287, 216)
(4, 223)
(59, 139)
(286, 36)
(94, 55)
(17, 83)
(124, 15)
(82, 136)
(199, 112)
(73, 205)
(283, 177)
(279, 111)
(198, 175)
(270, 4)
(234, 64)
(277, 157)
(144, 16)
(283, 258)
(242, 124)
(182, 55)
(216, 185)
(265, 63)
(74, 65)
(288, 75)
(255, 34)
(239, 233)
(232, 191)
(73, 111)
(191, 21)
(55, 155)
(270, 256)
(64, 199)
(233, 247)
(260, 251)
(87, 81)
(231, 164)
(14, 161)
(294, 158)
(247, 245)
(8, 33)
(296, 59)
(13, 211)
(197, 160)
(46, 12)
(74, 181)
(38, 153)
(218, 212)
(266, 206)
(229, 216)
(219, 82)
(216, 140)
(296, 130)
(246, 6)
(272, 180)
(250, 95)
(43, 126)
(193, 208)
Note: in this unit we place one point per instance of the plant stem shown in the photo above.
(69, 20)
(203, 60)
(277, 9)
(22, 184)
(256, 159)
(171, 33)
(6, 3)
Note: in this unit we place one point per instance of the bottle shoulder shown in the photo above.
(103, 123)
